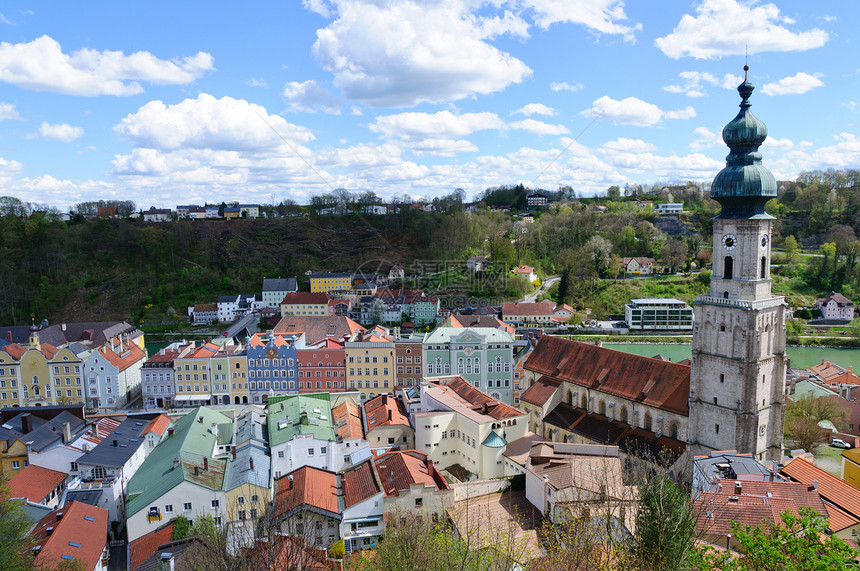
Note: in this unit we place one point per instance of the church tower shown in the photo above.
(738, 374)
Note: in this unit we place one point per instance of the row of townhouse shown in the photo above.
(231, 210)
(536, 315)
(98, 365)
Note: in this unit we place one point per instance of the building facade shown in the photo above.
(658, 315)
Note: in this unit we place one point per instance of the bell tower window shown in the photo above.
(728, 267)
(763, 267)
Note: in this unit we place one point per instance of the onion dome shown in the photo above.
(744, 186)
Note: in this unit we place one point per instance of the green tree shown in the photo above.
(14, 534)
(665, 526)
(801, 543)
(181, 528)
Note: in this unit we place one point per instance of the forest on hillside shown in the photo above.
(123, 268)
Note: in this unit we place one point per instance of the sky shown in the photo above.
(167, 103)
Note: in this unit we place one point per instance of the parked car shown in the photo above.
(837, 443)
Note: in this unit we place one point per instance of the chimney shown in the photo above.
(291, 481)
(59, 516)
(389, 415)
(176, 462)
(67, 432)
(251, 463)
(234, 453)
(26, 423)
(738, 487)
(49, 531)
(96, 430)
(116, 442)
(200, 419)
(168, 562)
(196, 470)
(384, 399)
(814, 484)
(170, 432)
(206, 463)
(63, 326)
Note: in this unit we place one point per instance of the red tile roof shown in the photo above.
(35, 483)
(399, 470)
(656, 383)
(832, 489)
(311, 486)
(359, 484)
(129, 353)
(158, 425)
(280, 340)
(305, 298)
(79, 530)
(318, 328)
(494, 408)
(142, 548)
(514, 308)
(384, 410)
(478, 321)
(347, 421)
(541, 391)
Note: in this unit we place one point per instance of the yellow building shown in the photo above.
(851, 466)
(192, 376)
(239, 378)
(304, 303)
(223, 367)
(13, 457)
(39, 374)
(370, 363)
(326, 282)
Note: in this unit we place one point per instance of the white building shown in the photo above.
(112, 372)
(658, 314)
(275, 289)
(460, 425)
(363, 522)
(669, 208)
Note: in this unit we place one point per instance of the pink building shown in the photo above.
(836, 306)
(321, 367)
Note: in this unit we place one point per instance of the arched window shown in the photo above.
(647, 421)
(602, 408)
(477, 365)
(728, 267)
(35, 380)
(624, 414)
(469, 366)
(763, 267)
(498, 364)
(584, 402)
(460, 365)
(570, 398)
(673, 430)
(35, 390)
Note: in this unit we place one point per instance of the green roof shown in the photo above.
(192, 441)
(468, 335)
(292, 415)
(493, 440)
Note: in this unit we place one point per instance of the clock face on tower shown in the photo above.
(764, 241)
(729, 242)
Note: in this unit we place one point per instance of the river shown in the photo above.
(800, 356)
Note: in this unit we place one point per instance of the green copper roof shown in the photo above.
(192, 440)
(493, 440)
(292, 415)
(744, 185)
(467, 335)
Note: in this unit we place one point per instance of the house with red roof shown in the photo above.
(525, 272)
(112, 372)
(522, 314)
(841, 499)
(836, 307)
(143, 547)
(581, 393)
(321, 367)
(305, 303)
(411, 481)
(38, 485)
(387, 425)
(75, 534)
(362, 508)
(307, 505)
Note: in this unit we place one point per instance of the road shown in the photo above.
(544, 286)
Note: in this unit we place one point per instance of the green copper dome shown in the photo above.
(744, 186)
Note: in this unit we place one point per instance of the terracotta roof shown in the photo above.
(141, 548)
(78, 530)
(384, 410)
(168, 356)
(659, 384)
(518, 450)
(494, 408)
(840, 519)
(347, 421)
(478, 321)
(35, 482)
(795, 493)
(832, 489)
(716, 512)
(305, 298)
(130, 353)
(514, 308)
(359, 484)
(205, 307)
(523, 270)
(279, 340)
(837, 297)
(827, 370)
(158, 425)
(541, 391)
(318, 328)
(399, 470)
(311, 487)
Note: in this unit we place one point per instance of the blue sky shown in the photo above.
(165, 103)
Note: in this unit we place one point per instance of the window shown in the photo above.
(254, 498)
(280, 453)
(187, 506)
(253, 513)
(240, 500)
(241, 514)
(419, 502)
(16, 464)
(215, 504)
(168, 508)
(716, 429)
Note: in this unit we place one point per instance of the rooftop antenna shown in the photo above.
(746, 61)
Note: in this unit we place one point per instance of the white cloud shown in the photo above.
(729, 27)
(8, 112)
(310, 97)
(317, 6)
(794, 85)
(685, 113)
(629, 145)
(60, 132)
(441, 125)
(633, 111)
(257, 82)
(705, 138)
(209, 123)
(4, 20)
(41, 65)
(694, 83)
(564, 86)
(406, 52)
(535, 109)
(600, 16)
(539, 127)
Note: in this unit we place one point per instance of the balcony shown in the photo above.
(153, 515)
